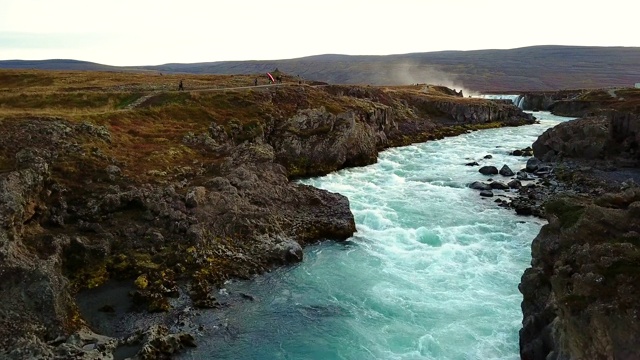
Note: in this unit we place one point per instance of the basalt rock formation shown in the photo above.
(315, 142)
(581, 138)
(594, 102)
(581, 102)
(183, 189)
(624, 139)
(580, 295)
(545, 100)
(614, 136)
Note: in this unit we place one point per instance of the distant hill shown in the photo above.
(533, 68)
(58, 64)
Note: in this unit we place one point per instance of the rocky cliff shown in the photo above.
(180, 192)
(36, 301)
(581, 138)
(612, 136)
(593, 102)
(545, 100)
(55, 240)
(580, 295)
(316, 141)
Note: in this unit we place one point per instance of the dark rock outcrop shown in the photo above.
(481, 112)
(35, 296)
(514, 184)
(614, 136)
(249, 219)
(584, 138)
(594, 102)
(478, 185)
(498, 185)
(575, 108)
(532, 164)
(523, 175)
(541, 100)
(581, 294)
(159, 343)
(528, 151)
(624, 137)
(316, 142)
(486, 193)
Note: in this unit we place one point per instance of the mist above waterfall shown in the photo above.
(413, 73)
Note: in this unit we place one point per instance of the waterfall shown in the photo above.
(517, 100)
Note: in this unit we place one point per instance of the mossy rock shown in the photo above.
(567, 212)
(141, 282)
(575, 303)
(89, 277)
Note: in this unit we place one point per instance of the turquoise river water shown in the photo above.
(432, 272)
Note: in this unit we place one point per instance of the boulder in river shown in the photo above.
(488, 170)
(499, 185)
(486, 193)
(478, 185)
(506, 171)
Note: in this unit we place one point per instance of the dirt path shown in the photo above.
(146, 97)
(140, 100)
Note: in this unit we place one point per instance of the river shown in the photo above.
(432, 272)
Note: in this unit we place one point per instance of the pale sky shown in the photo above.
(153, 32)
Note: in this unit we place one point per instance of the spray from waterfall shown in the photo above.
(414, 73)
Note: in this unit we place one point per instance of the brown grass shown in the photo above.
(87, 81)
(147, 141)
(631, 100)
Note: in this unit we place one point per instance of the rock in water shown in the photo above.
(488, 170)
(486, 193)
(478, 185)
(499, 185)
(506, 171)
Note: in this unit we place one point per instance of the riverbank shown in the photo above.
(181, 192)
(580, 295)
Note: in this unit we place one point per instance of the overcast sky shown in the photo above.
(152, 32)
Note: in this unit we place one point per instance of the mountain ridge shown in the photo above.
(533, 68)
